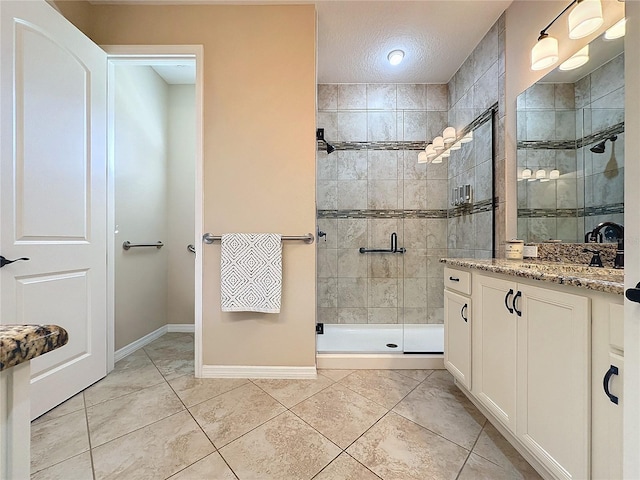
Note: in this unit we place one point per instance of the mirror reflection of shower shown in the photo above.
(611, 168)
(320, 137)
(600, 147)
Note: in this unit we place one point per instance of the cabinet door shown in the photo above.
(457, 337)
(614, 418)
(553, 374)
(494, 347)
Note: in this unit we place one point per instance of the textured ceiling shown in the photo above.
(354, 37)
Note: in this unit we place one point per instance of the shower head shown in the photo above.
(599, 147)
(320, 137)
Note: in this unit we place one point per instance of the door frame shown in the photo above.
(142, 55)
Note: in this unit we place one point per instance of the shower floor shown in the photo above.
(424, 338)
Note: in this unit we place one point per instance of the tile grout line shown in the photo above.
(471, 450)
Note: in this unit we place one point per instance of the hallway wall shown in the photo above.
(141, 115)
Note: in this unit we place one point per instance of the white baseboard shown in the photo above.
(150, 337)
(244, 371)
(138, 344)
(384, 361)
(181, 328)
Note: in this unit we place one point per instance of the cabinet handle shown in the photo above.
(462, 310)
(454, 279)
(506, 300)
(613, 370)
(515, 299)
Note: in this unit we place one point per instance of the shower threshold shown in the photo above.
(380, 338)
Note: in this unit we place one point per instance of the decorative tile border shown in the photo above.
(402, 145)
(570, 212)
(382, 213)
(471, 209)
(571, 144)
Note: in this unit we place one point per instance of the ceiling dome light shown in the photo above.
(585, 18)
(545, 52)
(395, 57)
(449, 135)
(576, 60)
(422, 157)
(438, 144)
(617, 31)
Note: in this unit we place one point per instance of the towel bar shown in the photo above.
(308, 238)
(127, 245)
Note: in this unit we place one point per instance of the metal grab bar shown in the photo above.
(127, 245)
(209, 238)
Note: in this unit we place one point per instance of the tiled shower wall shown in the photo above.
(557, 125)
(370, 187)
(477, 86)
(600, 96)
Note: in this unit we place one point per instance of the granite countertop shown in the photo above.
(608, 280)
(21, 343)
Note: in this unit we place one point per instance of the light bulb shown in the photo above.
(422, 157)
(395, 57)
(540, 174)
(430, 151)
(544, 53)
(554, 174)
(526, 174)
(585, 18)
(438, 144)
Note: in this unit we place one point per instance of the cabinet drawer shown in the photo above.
(458, 280)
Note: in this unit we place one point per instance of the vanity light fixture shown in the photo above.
(540, 174)
(395, 57)
(576, 60)
(617, 31)
(554, 174)
(584, 19)
(526, 174)
(545, 52)
(442, 146)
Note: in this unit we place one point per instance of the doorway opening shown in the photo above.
(155, 194)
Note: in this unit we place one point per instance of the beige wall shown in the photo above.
(140, 202)
(524, 21)
(259, 151)
(180, 203)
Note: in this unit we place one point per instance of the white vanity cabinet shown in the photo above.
(531, 367)
(606, 385)
(457, 325)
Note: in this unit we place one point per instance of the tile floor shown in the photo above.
(151, 419)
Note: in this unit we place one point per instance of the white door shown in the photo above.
(53, 193)
(631, 387)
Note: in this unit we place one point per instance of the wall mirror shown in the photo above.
(570, 149)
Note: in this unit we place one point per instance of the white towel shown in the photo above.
(251, 272)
